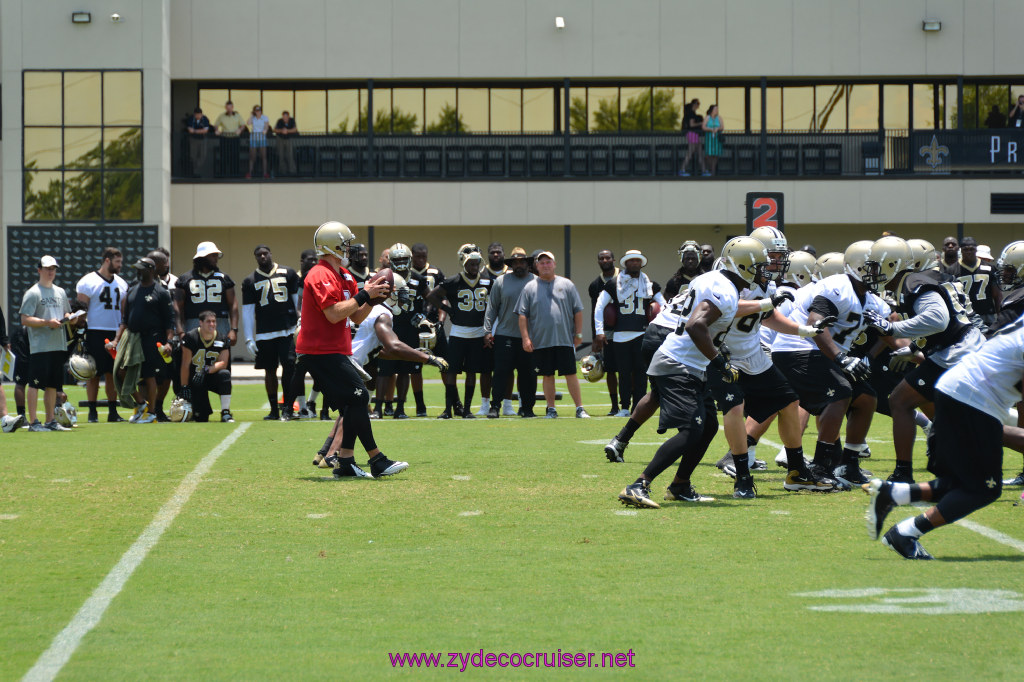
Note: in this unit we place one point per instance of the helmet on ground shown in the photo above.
(181, 410)
(1010, 266)
(82, 367)
(925, 254)
(801, 269)
(745, 257)
(333, 238)
(592, 367)
(400, 256)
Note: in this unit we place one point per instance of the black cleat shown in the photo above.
(272, 417)
(901, 476)
(115, 417)
(399, 414)
(325, 415)
(686, 493)
(879, 507)
(1015, 482)
(445, 415)
(381, 466)
(638, 495)
(615, 451)
(908, 548)
(744, 488)
(421, 412)
(493, 412)
(823, 474)
(350, 471)
(389, 410)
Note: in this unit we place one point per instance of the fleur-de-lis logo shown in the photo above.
(933, 153)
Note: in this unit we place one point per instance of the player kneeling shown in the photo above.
(204, 369)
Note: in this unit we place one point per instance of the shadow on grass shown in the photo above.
(982, 558)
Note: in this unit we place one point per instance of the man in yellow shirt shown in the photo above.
(228, 127)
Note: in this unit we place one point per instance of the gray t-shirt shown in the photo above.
(549, 308)
(48, 303)
(501, 318)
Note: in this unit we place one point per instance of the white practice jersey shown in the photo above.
(679, 349)
(668, 317)
(365, 340)
(743, 338)
(849, 310)
(104, 300)
(768, 335)
(990, 379)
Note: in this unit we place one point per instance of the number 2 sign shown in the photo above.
(765, 209)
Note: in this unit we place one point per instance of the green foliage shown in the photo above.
(87, 195)
(398, 122)
(450, 121)
(635, 115)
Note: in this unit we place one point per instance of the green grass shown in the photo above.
(245, 584)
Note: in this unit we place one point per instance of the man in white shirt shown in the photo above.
(102, 291)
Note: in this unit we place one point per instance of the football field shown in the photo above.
(216, 551)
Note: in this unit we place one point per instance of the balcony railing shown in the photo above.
(594, 156)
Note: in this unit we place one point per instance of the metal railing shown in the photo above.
(546, 156)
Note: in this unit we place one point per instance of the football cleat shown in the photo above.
(901, 476)
(375, 414)
(350, 471)
(140, 411)
(71, 413)
(37, 427)
(381, 466)
(908, 548)
(468, 415)
(485, 407)
(551, 413)
(507, 410)
(272, 417)
(823, 474)
(622, 413)
(114, 417)
(400, 414)
(493, 412)
(879, 507)
(12, 422)
(615, 451)
(1015, 482)
(226, 418)
(850, 474)
(389, 409)
(581, 413)
(865, 453)
(744, 488)
(55, 426)
(445, 415)
(803, 479)
(638, 495)
(421, 413)
(146, 418)
(686, 493)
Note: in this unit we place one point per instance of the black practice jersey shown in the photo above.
(273, 295)
(402, 323)
(917, 283)
(425, 280)
(631, 313)
(204, 353)
(204, 292)
(679, 282)
(487, 273)
(361, 278)
(1009, 311)
(147, 310)
(467, 299)
(979, 284)
(595, 289)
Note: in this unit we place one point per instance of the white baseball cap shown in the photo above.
(205, 249)
(48, 262)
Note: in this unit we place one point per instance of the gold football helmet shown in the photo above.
(400, 257)
(333, 238)
(592, 367)
(925, 254)
(746, 257)
(888, 257)
(1010, 266)
(801, 268)
(829, 264)
(855, 258)
(778, 251)
(468, 252)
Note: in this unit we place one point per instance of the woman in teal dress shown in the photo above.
(712, 139)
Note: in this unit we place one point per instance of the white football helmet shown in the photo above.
(592, 367)
(855, 258)
(689, 246)
(778, 250)
(925, 254)
(468, 252)
(801, 268)
(62, 416)
(1010, 266)
(828, 264)
(181, 410)
(333, 238)
(888, 257)
(82, 367)
(745, 257)
(400, 256)
(399, 295)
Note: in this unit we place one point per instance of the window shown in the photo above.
(506, 110)
(82, 146)
(863, 107)
(539, 110)
(798, 109)
(897, 106)
(830, 107)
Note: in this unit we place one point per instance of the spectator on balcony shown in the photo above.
(198, 127)
(995, 118)
(712, 139)
(692, 124)
(285, 130)
(229, 127)
(258, 124)
(1017, 113)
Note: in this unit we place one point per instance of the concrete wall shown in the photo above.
(644, 38)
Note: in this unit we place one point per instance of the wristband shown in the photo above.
(362, 297)
(766, 305)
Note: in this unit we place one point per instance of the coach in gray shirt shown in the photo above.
(44, 307)
(501, 330)
(549, 308)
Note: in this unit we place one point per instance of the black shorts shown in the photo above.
(608, 358)
(683, 400)
(336, 376)
(274, 352)
(653, 338)
(487, 360)
(966, 444)
(924, 377)
(94, 346)
(46, 370)
(22, 370)
(389, 368)
(465, 355)
(762, 394)
(153, 364)
(884, 380)
(816, 380)
(553, 359)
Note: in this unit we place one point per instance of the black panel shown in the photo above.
(1006, 203)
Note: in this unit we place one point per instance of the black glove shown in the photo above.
(198, 377)
(781, 297)
(185, 393)
(825, 322)
(720, 364)
(857, 369)
(435, 361)
(878, 322)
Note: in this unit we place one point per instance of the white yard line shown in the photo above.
(67, 641)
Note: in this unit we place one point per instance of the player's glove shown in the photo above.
(775, 301)
(435, 361)
(185, 393)
(198, 377)
(251, 345)
(878, 322)
(720, 363)
(810, 330)
(857, 369)
(902, 359)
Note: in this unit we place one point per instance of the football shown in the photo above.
(385, 275)
(610, 316)
(653, 310)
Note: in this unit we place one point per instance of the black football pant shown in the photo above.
(508, 356)
(629, 363)
(219, 383)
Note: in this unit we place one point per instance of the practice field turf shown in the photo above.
(502, 536)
